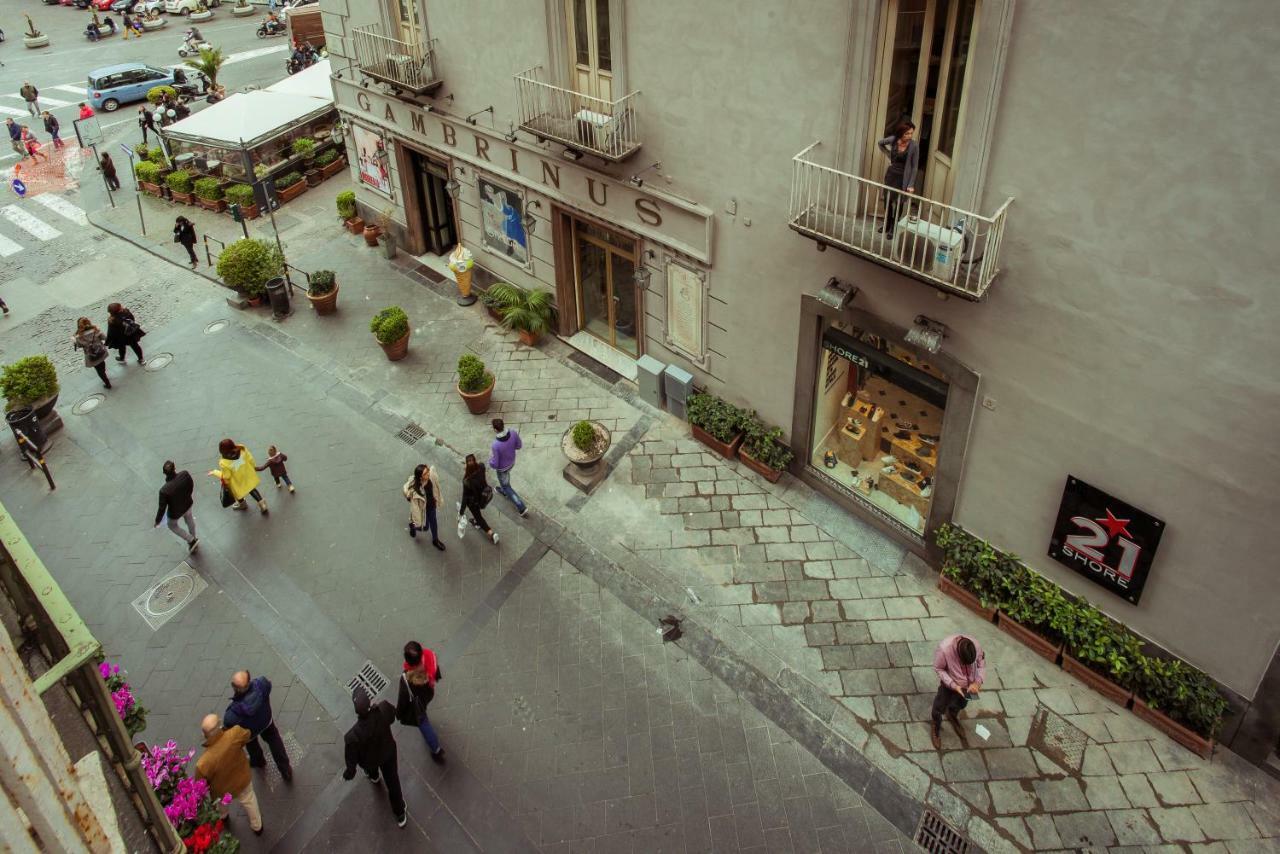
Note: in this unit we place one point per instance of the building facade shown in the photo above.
(1057, 305)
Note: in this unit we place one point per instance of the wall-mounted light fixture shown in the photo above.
(643, 274)
(453, 186)
(471, 119)
(637, 181)
(837, 294)
(926, 333)
(530, 223)
(571, 154)
(510, 135)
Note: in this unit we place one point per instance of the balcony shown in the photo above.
(606, 129)
(954, 250)
(405, 66)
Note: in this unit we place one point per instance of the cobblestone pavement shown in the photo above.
(812, 618)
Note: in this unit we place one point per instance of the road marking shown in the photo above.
(28, 223)
(10, 111)
(253, 54)
(8, 247)
(73, 89)
(62, 208)
(43, 101)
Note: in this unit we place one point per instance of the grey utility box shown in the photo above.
(679, 385)
(649, 376)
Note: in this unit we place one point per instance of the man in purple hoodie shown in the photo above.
(503, 459)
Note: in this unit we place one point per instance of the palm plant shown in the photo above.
(209, 64)
(523, 309)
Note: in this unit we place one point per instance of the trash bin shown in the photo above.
(278, 293)
(25, 419)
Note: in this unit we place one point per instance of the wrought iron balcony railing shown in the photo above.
(606, 129)
(403, 64)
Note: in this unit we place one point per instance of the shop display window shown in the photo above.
(878, 423)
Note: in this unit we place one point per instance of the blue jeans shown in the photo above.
(430, 518)
(504, 487)
(285, 478)
(433, 740)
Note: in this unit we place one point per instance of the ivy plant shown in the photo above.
(716, 416)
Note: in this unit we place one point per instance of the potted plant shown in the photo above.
(371, 231)
(346, 203)
(330, 162)
(388, 236)
(209, 194)
(241, 9)
(154, 20)
(475, 384)
(179, 182)
(248, 264)
(391, 327)
(140, 151)
(201, 12)
(716, 423)
(322, 291)
(242, 195)
(33, 38)
(585, 443)
(305, 148)
(1033, 610)
(32, 381)
(970, 570)
(1099, 651)
(290, 185)
(154, 94)
(763, 451)
(148, 175)
(1181, 701)
(490, 303)
(526, 310)
(208, 63)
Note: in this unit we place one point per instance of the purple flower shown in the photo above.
(226, 799)
(186, 801)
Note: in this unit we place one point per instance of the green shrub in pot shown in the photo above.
(248, 264)
(287, 180)
(240, 194)
(1181, 692)
(472, 376)
(304, 147)
(389, 325)
(321, 282)
(179, 181)
(27, 380)
(208, 189)
(146, 172)
(764, 444)
(346, 202)
(523, 309)
(584, 436)
(716, 416)
(324, 158)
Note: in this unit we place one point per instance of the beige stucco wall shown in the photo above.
(1128, 341)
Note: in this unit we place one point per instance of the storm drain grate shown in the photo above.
(411, 434)
(937, 837)
(370, 679)
(1058, 739)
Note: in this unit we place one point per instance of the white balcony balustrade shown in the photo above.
(606, 129)
(403, 64)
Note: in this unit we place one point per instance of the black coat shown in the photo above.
(185, 234)
(412, 701)
(369, 743)
(115, 330)
(176, 496)
(473, 490)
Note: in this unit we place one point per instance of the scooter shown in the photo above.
(192, 48)
(267, 29)
(303, 57)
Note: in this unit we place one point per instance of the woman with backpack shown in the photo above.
(476, 494)
(123, 331)
(422, 491)
(90, 339)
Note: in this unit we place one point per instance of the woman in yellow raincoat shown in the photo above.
(238, 476)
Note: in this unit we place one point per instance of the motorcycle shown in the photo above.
(190, 47)
(303, 57)
(190, 84)
(268, 28)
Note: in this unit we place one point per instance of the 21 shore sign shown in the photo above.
(1105, 539)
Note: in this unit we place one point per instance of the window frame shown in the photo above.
(562, 55)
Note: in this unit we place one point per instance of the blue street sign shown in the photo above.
(19, 187)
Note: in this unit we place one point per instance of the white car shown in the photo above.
(186, 7)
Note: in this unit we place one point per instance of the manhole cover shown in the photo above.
(411, 434)
(159, 361)
(937, 837)
(1058, 738)
(88, 404)
(215, 327)
(162, 601)
(369, 678)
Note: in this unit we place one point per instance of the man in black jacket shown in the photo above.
(370, 744)
(176, 500)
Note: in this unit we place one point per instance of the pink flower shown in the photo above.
(226, 799)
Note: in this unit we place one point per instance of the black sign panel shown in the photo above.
(1105, 539)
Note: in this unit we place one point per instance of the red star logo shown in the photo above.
(1114, 526)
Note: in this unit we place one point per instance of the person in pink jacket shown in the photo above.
(961, 668)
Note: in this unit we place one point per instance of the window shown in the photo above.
(407, 19)
(591, 64)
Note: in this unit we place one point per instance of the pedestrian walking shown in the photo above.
(238, 475)
(503, 459)
(422, 491)
(130, 27)
(177, 497)
(146, 121)
(962, 668)
(123, 331)
(275, 462)
(476, 495)
(85, 110)
(31, 95)
(370, 745)
(224, 766)
(51, 127)
(32, 144)
(184, 232)
(417, 690)
(90, 339)
(15, 138)
(109, 171)
(4, 305)
(250, 708)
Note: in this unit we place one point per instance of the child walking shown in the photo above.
(275, 462)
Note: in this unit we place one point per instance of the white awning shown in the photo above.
(313, 81)
(249, 117)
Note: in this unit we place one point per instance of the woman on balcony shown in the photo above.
(904, 158)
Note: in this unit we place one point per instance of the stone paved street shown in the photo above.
(789, 717)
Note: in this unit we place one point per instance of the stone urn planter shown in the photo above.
(586, 469)
(242, 11)
(1047, 649)
(196, 17)
(965, 598)
(1096, 681)
(36, 41)
(1188, 738)
(50, 420)
(314, 177)
(158, 23)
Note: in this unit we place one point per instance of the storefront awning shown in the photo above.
(248, 117)
(313, 82)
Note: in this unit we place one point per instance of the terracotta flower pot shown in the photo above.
(250, 211)
(1096, 681)
(182, 198)
(728, 450)
(255, 301)
(334, 168)
(325, 303)
(965, 598)
(216, 205)
(1043, 647)
(770, 474)
(529, 339)
(355, 225)
(1188, 738)
(371, 235)
(396, 350)
(478, 402)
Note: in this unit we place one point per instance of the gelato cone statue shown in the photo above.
(460, 262)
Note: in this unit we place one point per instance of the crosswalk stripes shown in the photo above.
(52, 102)
(62, 208)
(73, 89)
(37, 228)
(10, 111)
(8, 247)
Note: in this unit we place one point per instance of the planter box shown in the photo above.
(152, 189)
(1096, 681)
(1189, 739)
(965, 598)
(250, 211)
(334, 168)
(1048, 649)
(216, 205)
(288, 194)
(181, 198)
(770, 474)
(727, 450)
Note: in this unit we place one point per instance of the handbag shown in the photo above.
(227, 500)
(486, 495)
(129, 327)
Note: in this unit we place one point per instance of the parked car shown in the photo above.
(101, 5)
(139, 6)
(114, 85)
(186, 7)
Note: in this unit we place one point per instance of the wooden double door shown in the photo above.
(596, 274)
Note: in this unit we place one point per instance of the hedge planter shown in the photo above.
(965, 598)
(333, 168)
(215, 205)
(1096, 681)
(728, 450)
(1043, 647)
(770, 474)
(182, 198)
(152, 189)
(396, 350)
(1193, 741)
(290, 193)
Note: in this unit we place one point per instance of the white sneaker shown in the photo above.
(494, 537)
